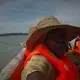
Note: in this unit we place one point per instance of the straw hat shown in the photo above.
(38, 32)
(32, 28)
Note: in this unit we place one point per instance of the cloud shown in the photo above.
(69, 13)
(10, 27)
(18, 15)
(4, 1)
(22, 10)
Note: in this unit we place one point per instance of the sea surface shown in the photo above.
(9, 47)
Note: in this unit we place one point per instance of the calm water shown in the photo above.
(9, 47)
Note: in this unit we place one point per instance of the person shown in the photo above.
(46, 52)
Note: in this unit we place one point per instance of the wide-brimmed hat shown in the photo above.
(39, 31)
(32, 28)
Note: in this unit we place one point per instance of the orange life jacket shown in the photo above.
(77, 44)
(76, 48)
(68, 71)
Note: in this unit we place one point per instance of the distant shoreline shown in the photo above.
(13, 34)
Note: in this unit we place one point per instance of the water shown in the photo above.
(9, 47)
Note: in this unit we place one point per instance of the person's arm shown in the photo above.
(37, 68)
(37, 75)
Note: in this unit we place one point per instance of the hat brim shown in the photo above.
(23, 43)
(71, 33)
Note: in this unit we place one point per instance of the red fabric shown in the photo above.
(67, 70)
(17, 72)
(78, 45)
(72, 72)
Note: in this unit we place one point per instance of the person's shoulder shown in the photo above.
(36, 63)
(41, 60)
(39, 57)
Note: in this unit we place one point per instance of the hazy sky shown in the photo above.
(18, 15)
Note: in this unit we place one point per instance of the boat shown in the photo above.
(7, 71)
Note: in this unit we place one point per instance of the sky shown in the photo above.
(19, 15)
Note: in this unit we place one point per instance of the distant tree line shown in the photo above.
(13, 34)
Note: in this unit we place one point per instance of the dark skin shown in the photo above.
(53, 44)
(56, 41)
(36, 76)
